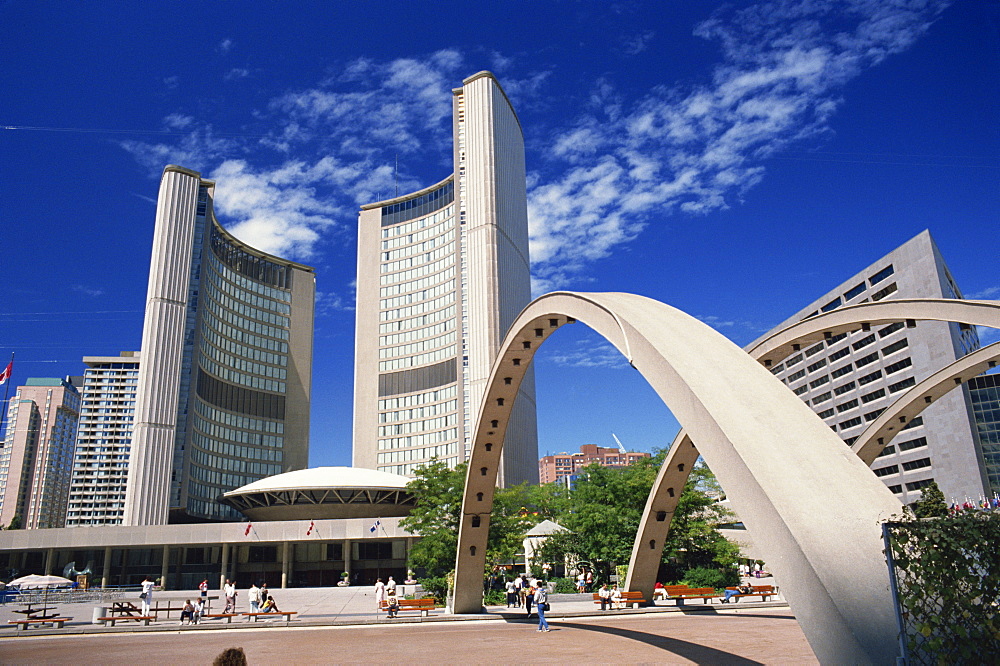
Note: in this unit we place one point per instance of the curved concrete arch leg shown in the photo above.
(787, 475)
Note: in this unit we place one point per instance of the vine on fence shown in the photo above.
(948, 578)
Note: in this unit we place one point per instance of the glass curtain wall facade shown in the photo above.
(442, 273)
(849, 379)
(223, 396)
(985, 392)
(100, 462)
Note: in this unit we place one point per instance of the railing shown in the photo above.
(61, 595)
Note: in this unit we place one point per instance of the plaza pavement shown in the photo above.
(340, 625)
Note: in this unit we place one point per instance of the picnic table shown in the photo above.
(38, 616)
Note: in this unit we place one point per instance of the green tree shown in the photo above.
(15, 523)
(931, 503)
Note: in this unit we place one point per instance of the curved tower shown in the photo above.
(223, 391)
(442, 274)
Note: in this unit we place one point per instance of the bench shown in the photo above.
(145, 619)
(762, 591)
(255, 616)
(705, 593)
(423, 606)
(24, 624)
(630, 599)
(229, 616)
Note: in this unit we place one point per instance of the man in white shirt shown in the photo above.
(229, 589)
(254, 597)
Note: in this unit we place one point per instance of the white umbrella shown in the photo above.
(36, 582)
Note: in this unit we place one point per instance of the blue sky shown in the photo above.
(734, 162)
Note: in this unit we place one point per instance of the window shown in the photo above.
(881, 275)
(917, 485)
(919, 421)
(911, 444)
(821, 398)
(777, 369)
(895, 347)
(850, 404)
(856, 290)
(832, 305)
(890, 329)
(825, 414)
(867, 379)
(792, 360)
(814, 350)
(837, 355)
(796, 376)
(896, 489)
(916, 464)
(871, 358)
(874, 395)
(841, 390)
(850, 440)
(898, 365)
(871, 416)
(834, 339)
(819, 382)
(864, 342)
(800, 390)
(840, 372)
(885, 291)
(850, 423)
(887, 451)
(886, 471)
(377, 550)
(817, 365)
(899, 386)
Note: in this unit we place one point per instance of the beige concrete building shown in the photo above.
(224, 384)
(849, 379)
(37, 453)
(442, 273)
(100, 462)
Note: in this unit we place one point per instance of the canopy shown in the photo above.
(34, 581)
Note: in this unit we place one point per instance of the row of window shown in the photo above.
(217, 331)
(248, 284)
(222, 433)
(423, 295)
(418, 321)
(223, 299)
(412, 348)
(407, 455)
(418, 272)
(241, 364)
(228, 450)
(416, 399)
(419, 283)
(250, 298)
(415, 237)
(420, 359)
(407, 336)
(246, 324)
(257, 269)
(423, 439)
(438, 242)
(250, 353)
(410, 468)
(418, 426)
(415, 225)
(238, 420)
(907, 466)
(409, 262)
(418, 412)
(258, 469)
(234, 377)
(419, 308)
(420, 205)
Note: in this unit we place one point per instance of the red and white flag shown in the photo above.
(5, 375)
(312, 524)
(249, 527)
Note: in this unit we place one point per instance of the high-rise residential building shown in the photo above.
(985, 393)
(442, 273)
(37, 454)
(849, 379)
(225, 379)
(103, 440)
(561, 465)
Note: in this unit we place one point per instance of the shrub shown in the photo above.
(564, 585)
(716, 578)
(495, 598)
(436, 587)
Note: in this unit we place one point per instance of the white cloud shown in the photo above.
(699, 149)
(987, 294)
(88, 291)
(589, 354)
(225, 45)
(237, 73)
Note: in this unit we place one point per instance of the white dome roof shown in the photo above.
(326, 477)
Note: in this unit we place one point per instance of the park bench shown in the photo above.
(629, 599)
(256, 616)
(423, 606)
(762, 591)
(228, 616)
(704, 593)
(145, 619)
(24, 624)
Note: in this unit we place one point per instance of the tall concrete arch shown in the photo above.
(811, 503)
(662, 502)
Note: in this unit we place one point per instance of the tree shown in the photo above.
(15, 523)
(931, 503)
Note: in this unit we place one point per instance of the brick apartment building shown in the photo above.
(559, 466)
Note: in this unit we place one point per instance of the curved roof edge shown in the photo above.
(486, 74)
(411, 195)
(324, 478)
(229, 236)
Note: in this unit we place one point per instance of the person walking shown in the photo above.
(511, 594)
(380, 593)
(203, 588)
(390, 586)
(529, 597)
(146, 595)
(541, 604)
(253, 595)
(229, 590)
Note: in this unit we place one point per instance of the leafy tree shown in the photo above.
(931, 503)
(15, 523)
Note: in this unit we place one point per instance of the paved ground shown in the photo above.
(339, 625)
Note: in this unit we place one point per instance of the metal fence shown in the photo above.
(945, 576)
(61, 596)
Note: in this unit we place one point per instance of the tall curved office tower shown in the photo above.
(224, 384)
(442, 273)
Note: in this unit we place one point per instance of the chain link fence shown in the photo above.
(945, 574)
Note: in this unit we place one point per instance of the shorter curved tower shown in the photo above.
(223, 391)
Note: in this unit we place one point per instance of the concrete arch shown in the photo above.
(663, 497)
(785, 472)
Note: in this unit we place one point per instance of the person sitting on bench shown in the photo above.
(270, 606)
(392, 604)
(744, 588)
(187, 612)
